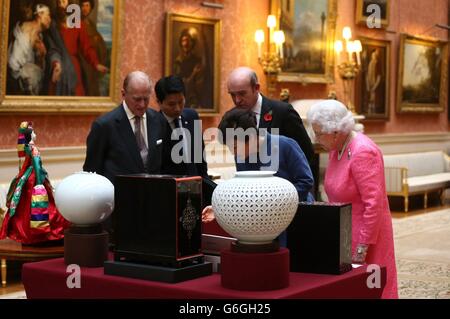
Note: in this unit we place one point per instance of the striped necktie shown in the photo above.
(140, 140)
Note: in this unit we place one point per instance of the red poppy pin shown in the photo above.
(268, 117)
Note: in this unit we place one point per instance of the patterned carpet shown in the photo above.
(422, 245)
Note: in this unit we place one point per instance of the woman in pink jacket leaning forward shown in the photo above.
(355, 174)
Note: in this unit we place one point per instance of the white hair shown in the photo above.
(41, 8)
(331, 116)
(136, 76)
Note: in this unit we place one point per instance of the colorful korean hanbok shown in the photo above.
(32, 216)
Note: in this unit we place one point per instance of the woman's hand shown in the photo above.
(359, 257)
(101, 68)
(208, 214)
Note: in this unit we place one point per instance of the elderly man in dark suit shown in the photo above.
(127, 140)
(244, 89)
(182, 150)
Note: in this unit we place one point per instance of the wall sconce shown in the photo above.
(348, 67)
(271, 59)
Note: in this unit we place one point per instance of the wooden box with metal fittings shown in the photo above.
(157, 228)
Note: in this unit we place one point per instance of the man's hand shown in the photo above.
(57, 70)
(208, 214)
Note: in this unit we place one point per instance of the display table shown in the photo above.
(11, 250)
(47, 279)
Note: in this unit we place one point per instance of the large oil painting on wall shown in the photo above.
(193, 53)
(59, 55)
(309, 27)
(372, 83)
(422, 77)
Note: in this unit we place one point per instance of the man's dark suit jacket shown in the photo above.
(286, 119)
(188, 118)
(281, 115)
(112, 148)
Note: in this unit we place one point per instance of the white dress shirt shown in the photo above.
(170, 120)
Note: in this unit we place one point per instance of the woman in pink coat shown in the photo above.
(355, 174)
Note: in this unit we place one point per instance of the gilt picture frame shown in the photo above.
(193, 52)
(366, 9)
(309, 27)
(422, 75)
(373, 80)
(85, 44)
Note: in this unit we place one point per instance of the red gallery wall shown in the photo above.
(143, 48)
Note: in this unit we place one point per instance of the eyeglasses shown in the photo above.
(320, 134)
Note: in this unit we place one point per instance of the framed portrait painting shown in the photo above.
(309, 27)
(372, 13)
(422, 75)
(59, 56)
(193, 53)
(372, 83)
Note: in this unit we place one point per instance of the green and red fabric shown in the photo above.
(32, 216)
(21, 140)
(39, 208)
(21, 145)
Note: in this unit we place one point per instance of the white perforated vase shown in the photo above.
(255, 207)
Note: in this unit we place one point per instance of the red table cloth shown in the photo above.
(48, 279)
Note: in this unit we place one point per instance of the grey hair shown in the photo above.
(331, 116)
(136, 75)
(253, 78)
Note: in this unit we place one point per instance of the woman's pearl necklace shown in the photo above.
(341, 152)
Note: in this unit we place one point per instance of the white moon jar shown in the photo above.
(255, 206)
(85, 198)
